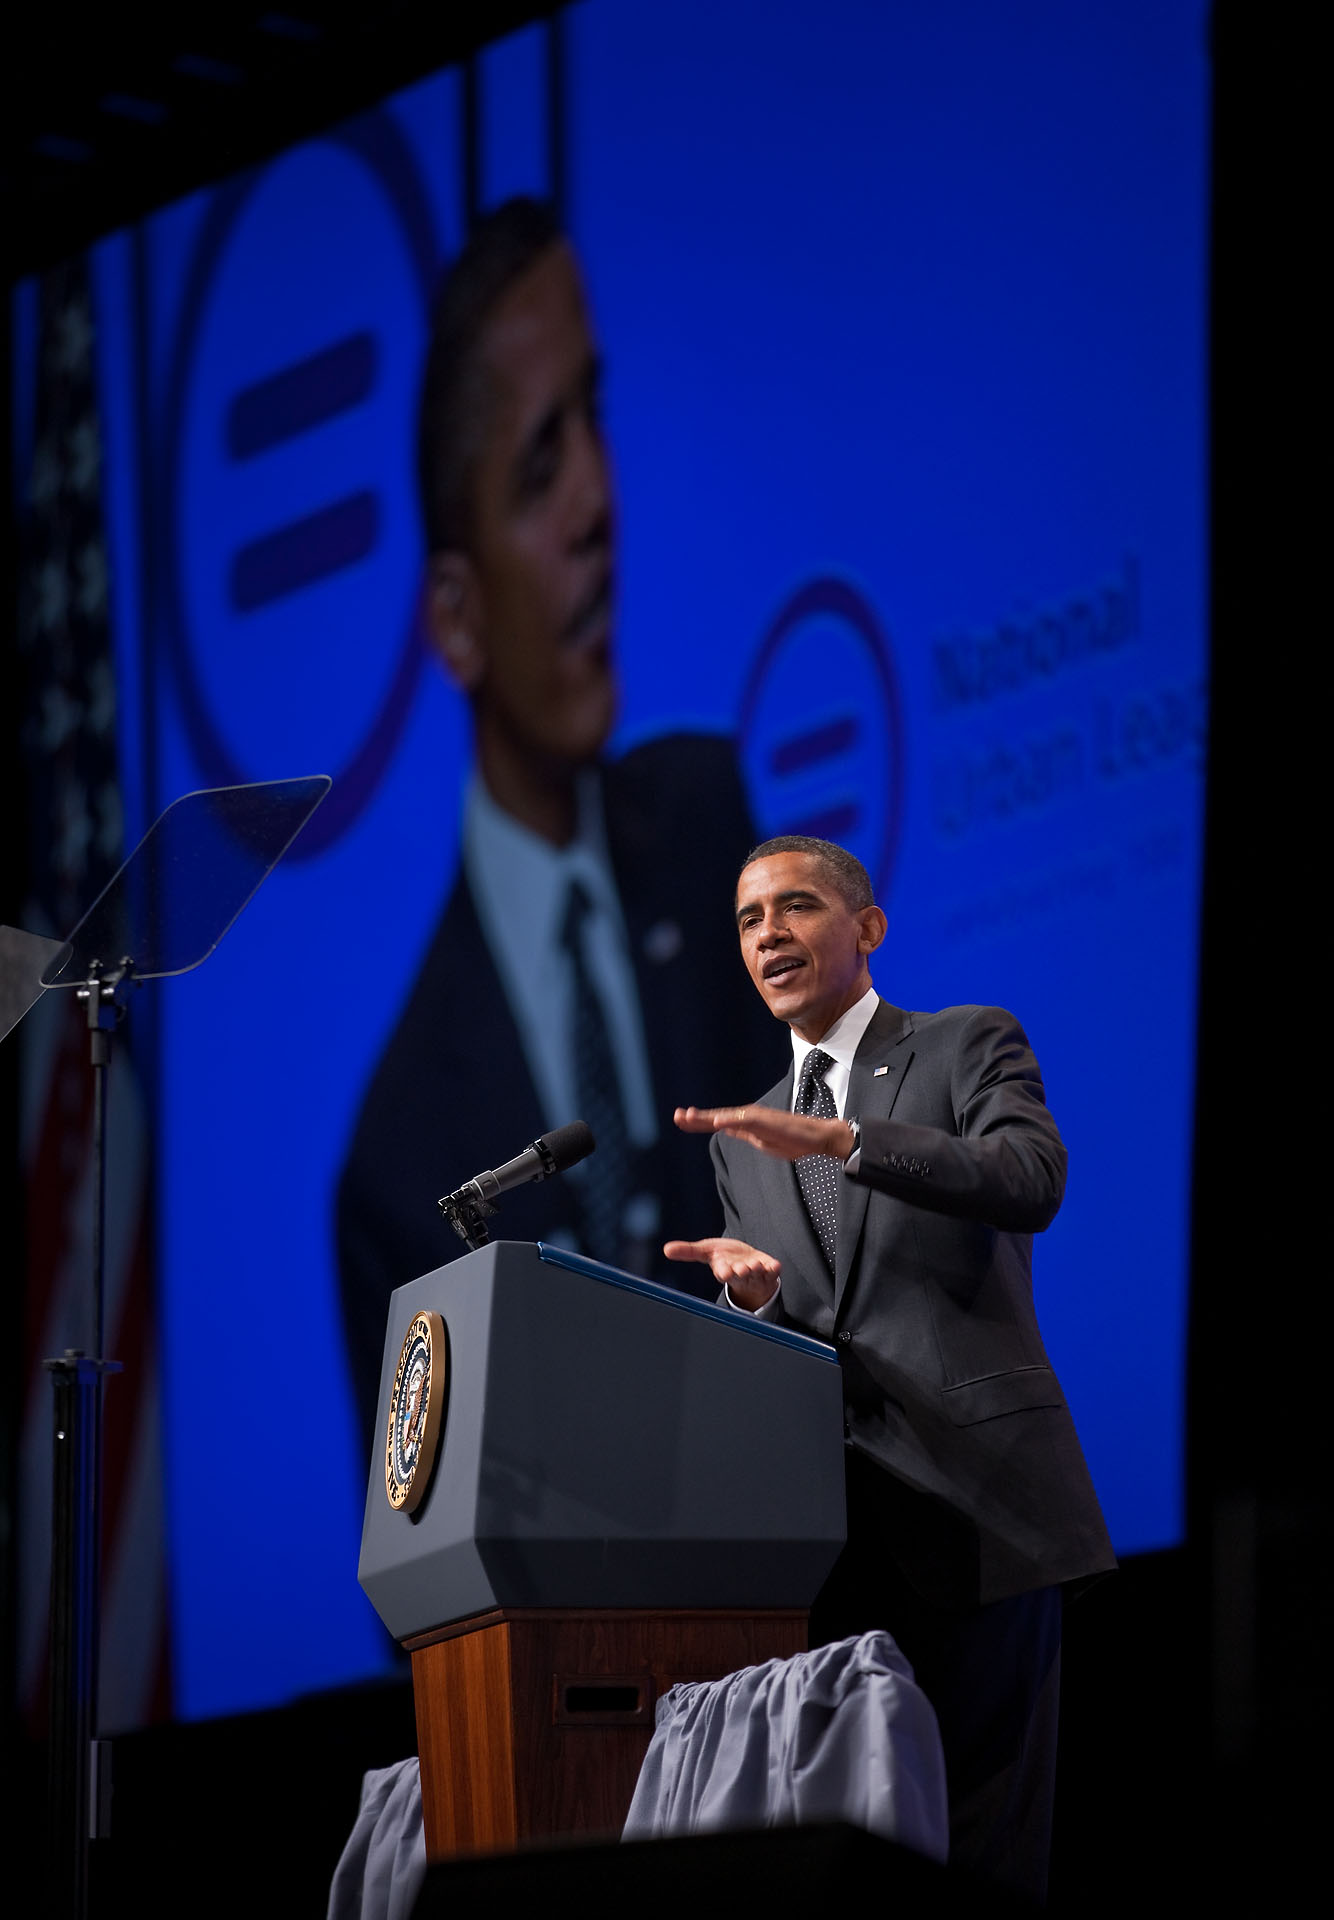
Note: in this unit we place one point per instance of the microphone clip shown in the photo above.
(467, 1211)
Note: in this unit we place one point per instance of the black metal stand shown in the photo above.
(76, 1809)
(78, 1787)
(168, 906)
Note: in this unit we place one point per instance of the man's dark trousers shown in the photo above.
(992, 1674)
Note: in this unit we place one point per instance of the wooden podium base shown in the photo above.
(534, 1723)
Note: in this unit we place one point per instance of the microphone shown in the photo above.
(466, 1207)
(553, 1153)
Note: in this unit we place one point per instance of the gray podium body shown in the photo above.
(606, 1442)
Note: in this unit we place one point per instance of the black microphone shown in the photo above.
(552, 1153)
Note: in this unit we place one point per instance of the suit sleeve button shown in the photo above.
(845, 1338)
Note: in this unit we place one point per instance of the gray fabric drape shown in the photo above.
(841, 1733)
(381, 1869)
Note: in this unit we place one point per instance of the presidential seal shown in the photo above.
(415, 1411)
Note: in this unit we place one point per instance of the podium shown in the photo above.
(627, 1488)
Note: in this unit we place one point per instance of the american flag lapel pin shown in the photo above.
(878, 1071)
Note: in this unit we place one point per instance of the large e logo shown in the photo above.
(291, 562)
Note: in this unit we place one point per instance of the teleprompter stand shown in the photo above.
(630, 1488)
(163, 913)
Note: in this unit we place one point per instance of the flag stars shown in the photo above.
(60, 717)
(75, 835)
(84, 450)
(44, 480)
(91, 591)
(100, 712)
(111, 826)
(30, 618)
(73, 338)
(52, 596)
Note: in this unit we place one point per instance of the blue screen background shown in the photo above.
(903, 312)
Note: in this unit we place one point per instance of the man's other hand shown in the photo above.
(782, 1135)
(751, 1277)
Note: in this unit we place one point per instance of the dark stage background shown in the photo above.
(917, 304)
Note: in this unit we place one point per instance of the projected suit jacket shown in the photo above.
(453, 1094)
(946, 1381)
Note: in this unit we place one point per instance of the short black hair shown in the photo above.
(452, 408)
(844, 870)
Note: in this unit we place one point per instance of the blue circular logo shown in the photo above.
(822, 729)
(291, 566)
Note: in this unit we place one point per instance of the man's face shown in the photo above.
(804, 947)
(531, 603)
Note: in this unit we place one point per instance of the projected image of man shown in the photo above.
(578, 968)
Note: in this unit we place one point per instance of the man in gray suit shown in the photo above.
(883, 1196)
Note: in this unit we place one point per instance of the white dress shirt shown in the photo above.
(841, 1044)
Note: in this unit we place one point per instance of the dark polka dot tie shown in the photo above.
(598, 1091)
(818, 1175)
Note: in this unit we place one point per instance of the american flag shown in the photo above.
(74, 845)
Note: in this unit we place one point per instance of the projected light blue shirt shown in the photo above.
(520, 883)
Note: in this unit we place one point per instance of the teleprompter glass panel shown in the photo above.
(187, 880)
(24, 959)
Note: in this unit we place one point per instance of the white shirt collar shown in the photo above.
(840, 1043)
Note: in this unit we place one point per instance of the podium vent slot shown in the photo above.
(603, 1700)
(620, 1700)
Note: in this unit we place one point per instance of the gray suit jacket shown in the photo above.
(946, 1381)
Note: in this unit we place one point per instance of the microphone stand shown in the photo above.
(79, 1785)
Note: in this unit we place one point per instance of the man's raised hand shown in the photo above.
(773, 1130)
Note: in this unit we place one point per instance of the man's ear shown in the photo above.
(874, 928)
(453, 607)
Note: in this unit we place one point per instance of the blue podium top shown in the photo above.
(745, 1323)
